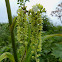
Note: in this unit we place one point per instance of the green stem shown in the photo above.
(11, 29)
(29, 35)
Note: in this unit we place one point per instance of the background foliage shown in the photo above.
(51, 48)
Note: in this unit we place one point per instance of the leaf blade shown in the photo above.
(7, 55)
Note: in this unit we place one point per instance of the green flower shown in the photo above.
(22, 29)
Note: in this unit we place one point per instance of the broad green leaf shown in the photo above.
(52, 35)
(7, 55)
(57, 50)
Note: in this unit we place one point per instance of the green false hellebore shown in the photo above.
(29, 33)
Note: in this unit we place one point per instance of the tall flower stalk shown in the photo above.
(11, 25)
(22, 32)
(36, 30)
(29, 33)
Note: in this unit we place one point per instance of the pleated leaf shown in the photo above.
(52, 35)
(7, 55)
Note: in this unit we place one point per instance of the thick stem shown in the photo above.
(11, 29)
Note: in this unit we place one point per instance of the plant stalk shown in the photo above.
(11, 29)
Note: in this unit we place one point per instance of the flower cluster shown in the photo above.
(38, 7)
(29, 32)
(22, 29)
(36, 30)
